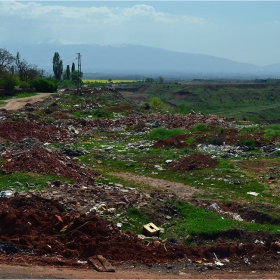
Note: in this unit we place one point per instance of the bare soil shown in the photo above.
(181, 190)
(38, 234)
(14, 104)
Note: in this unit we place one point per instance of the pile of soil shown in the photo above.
(39, 231)
(192, 162)
(46, 162)
(17, 130)
(178, 141)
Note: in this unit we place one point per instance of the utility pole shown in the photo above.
(79, 73)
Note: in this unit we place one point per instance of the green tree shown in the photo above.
(73, 67)
(76, 77)
(6, 60)
(57, 66)
(149, 80)
(8, 81)
(68, 72)
(160, 80)
(26, 71)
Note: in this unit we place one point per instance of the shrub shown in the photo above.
(45, 84)
(24, 85)
(156, 102)
(8, 81)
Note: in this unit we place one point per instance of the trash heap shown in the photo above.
(44, 161)
(17, 130)
(39, 231)
(192, 162)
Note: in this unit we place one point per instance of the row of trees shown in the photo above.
(159, 80)
(66, 75)
(15, 71)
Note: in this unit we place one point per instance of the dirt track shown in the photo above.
(181, 190)
(18, 103)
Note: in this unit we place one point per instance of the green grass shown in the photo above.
(162, 133)
(195, 220)
(25, 94)
(135, 219)
(8, 181)
(244, 101)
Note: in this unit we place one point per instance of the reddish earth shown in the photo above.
(17, 130)
(46, 162)
(193, 161)
(32, 234)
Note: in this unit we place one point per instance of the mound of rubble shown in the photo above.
(192, 162)
(17, 130)
(178, 141)
(44, 161)
(39, 231)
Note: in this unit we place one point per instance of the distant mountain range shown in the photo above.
(138, 60)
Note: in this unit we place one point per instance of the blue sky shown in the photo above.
(244, 31)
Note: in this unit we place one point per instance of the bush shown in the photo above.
(8, 81)
(156, 102)
(24, 85)
(45, 84)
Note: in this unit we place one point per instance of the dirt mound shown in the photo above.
(180, 95)
(46, 162)
(39, 231)
(15, 131)
(178, 141)
(194, 161)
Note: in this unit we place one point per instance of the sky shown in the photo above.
(243, 31)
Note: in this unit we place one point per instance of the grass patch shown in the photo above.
(8, 181)
(272, 131)
(195, 220)
(25, 94)
(162, 133)
(134, 220)
(201, 127)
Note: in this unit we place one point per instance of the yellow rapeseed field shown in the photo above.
(106, 81)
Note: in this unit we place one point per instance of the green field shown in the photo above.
(255, 102)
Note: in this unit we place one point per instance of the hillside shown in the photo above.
(136, 60)
(256, 102)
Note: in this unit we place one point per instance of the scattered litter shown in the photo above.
(151, 230)
(217, 261)
(158, 167)
(7, 193)
(258, 242)
(8, 248)
(101, 264)
(246, 261)
(253, 193)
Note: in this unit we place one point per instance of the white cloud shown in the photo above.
(97, 15)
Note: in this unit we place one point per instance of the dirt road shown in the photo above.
(14, 103)
(181, 190)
